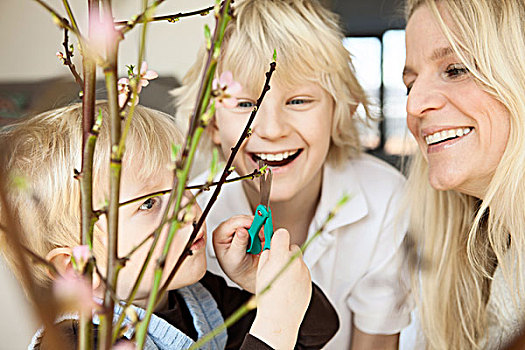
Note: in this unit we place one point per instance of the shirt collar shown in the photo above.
(336, 183)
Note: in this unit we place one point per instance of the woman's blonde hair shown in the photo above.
(40, 155)
(309, 46)
(461, 238)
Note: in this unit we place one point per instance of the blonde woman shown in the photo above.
(305, 130)
(465, 78)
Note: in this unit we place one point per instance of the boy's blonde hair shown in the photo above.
(40, 154)
(462, 238)
(309, 45)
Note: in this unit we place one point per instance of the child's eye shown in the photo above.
(298, 101)
(245, 104)
(409, 87)
(148, 204)
(455, 71)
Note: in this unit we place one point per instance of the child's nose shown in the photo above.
(270, 123)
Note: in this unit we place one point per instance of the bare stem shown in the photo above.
(115, 167)
(227, 171)
(143, 17)
(45, 310)
(68, 62)
(252, 303)
(170, 18)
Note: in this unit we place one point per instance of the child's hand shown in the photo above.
(281, 309)
(230, 241)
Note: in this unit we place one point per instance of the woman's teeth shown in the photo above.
(445, 135)
(276, 156)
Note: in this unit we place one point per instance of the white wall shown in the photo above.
(29, 39)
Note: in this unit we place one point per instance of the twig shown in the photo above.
(205, 187)
(68, 62)
(251, 303)
(169, 18)
(45, 310)
(225, 174)
(142, 17)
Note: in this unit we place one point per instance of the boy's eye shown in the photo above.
(148, 204)
(298, 101)
(245, 104)
(455, 71)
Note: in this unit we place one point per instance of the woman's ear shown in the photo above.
(60, 258)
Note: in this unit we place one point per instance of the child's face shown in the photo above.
(140, 219)
(291, 132)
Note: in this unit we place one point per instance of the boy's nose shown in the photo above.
(270, 122)
(424, 96)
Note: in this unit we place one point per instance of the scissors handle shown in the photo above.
(261, 218)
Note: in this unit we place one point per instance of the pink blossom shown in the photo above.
(123, 91)
(224, 88)
(145, 75)
(74, 291)
(81, 255)
(61, 57)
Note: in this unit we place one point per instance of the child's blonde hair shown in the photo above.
(309, 45)
(40, 154)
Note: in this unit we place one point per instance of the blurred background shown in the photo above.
(32, 79)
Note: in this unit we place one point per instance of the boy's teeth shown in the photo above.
(277, 157)
(446, 134)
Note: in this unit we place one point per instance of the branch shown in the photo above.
(205, 187)
(170, 18)
(143, 17)
(68, 62)
(252, 303)
(225, 174)
(45, 310)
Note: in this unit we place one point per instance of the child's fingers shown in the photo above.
(240, 240)
(226, 230)
(281, 241)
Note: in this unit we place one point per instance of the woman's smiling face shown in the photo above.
(461, 129)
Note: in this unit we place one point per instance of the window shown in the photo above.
(379, 66)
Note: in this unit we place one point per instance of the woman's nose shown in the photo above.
(424, 96)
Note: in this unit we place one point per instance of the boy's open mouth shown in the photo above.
(277, 159)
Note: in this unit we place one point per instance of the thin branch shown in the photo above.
(45, 310)
(141, 18)
(37, 258)
(205, 187)
(170, 18)
(61, 21)
(252, 303)
(68, 62)
(225, 174)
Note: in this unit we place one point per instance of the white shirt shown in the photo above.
(358, 259)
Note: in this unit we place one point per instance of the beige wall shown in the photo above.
(29, 39)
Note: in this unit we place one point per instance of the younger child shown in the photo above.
(44, 150)
(305, 131)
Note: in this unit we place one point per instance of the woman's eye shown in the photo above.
(148, 204)
(456, 70)
(409, 87)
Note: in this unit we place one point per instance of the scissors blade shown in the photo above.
(265, 187)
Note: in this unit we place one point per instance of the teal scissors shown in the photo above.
(263, 216)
